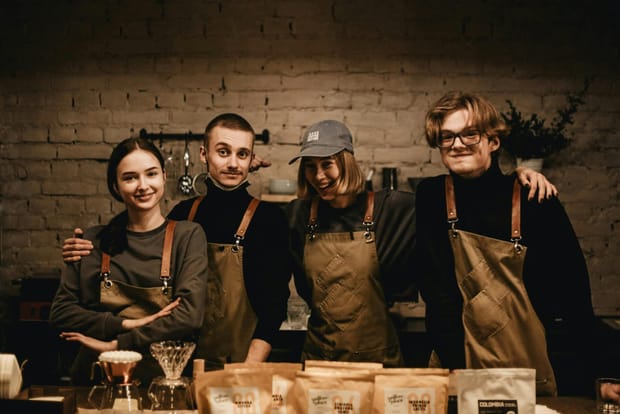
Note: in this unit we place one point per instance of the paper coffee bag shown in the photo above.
(496, 391)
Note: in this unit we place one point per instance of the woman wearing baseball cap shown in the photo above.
(352, 250)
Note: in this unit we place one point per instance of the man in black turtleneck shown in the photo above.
(473, 290)
(249, 287)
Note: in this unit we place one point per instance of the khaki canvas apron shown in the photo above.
(133, 302)
(500, 324)
(350, 320)
(230, 319)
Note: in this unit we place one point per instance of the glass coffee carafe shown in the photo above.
(172, 393)
(118, 392)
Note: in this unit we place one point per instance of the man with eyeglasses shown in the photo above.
(491, 263)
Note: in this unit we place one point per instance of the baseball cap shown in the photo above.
(325, 138)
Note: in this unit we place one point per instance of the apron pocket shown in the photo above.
(341, 306)
(131, 301)
(337, 271)
(338, 303)
(214, 310)
(483, 316)
(483, 277)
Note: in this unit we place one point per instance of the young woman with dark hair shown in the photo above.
(145, 279)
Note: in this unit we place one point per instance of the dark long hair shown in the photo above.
(114, 235)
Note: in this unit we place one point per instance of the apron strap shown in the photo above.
(245, 222)
(368, 223)
(194, 209)
(515, 235)
(370, 206)
(312, 222)
(105, 269)
(168, 237)
(515, 231)
(451, 204)
(165, 260)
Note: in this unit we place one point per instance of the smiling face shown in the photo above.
(228, 155)
(466, 161)
(325, 176)
(140, 181)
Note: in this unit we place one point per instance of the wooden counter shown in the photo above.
(75, 397)
(569, 405)
(278, 198)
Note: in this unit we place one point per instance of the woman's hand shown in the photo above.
(90, 342)
(536, 182)
(128, 324)
(75, 247)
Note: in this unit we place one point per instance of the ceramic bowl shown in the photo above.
(282, 186)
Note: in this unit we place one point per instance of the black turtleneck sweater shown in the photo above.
(555, 273)
(266, 259)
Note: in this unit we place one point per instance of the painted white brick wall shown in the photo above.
(78, 77)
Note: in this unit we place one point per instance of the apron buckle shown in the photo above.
(107, 283)
(238, 239)
(517, 246)
(368, 232)
(452, 223)
(165, 287)
(311, 229)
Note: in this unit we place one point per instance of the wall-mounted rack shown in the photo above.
(262, 137)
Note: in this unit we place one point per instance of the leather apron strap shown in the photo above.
(500, 324)
(230, 320)
(368, 223)
(134, 301)
(515, 233)
(166, 254)
(192, 212)
(350, 320)
(245, 222)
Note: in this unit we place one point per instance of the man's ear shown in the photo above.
(203, 154)
(494, 143)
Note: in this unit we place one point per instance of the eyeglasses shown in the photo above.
(468, 138)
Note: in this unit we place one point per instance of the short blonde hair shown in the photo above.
(351, 180)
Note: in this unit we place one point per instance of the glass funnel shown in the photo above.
(172, 356)
(171, 393)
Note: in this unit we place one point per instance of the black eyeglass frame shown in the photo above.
(451, 137)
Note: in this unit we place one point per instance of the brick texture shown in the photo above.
(78, 77)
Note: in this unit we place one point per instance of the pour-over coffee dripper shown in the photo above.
(118, 391)
(172, 392)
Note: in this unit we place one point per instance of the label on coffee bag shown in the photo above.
(498, 407)
(228, 400)
(333, 402)
(409, 400)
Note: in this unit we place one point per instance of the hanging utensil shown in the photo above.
(200, 184)
(185, 182)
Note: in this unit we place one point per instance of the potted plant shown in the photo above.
(532, 138)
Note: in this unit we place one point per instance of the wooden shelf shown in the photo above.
(278, 198)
